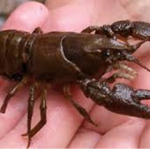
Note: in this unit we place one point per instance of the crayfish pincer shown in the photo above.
(123, 28)
(68, 57)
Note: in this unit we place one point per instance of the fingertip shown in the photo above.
(27, 17)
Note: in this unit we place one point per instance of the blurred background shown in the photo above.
(7, 6)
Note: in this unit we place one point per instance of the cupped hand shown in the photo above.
(65, 128)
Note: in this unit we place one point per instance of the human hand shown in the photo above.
(65, 127)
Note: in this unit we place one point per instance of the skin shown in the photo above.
(65, 128)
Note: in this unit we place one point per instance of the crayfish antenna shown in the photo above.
(136, 61)
(141, 65)
(136, 46)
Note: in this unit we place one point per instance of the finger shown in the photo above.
(91, 135)
(58, 3)
(126, 135)
(134, 9)
(85, 138)
(105, 119)
(144, 140)
(27, 17)
(71, 17)
(94, 13)
(20, 20)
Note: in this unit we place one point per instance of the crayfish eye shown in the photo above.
(107, 54)
(118, 53)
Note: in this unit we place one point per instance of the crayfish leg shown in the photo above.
(31, 102)
(37, 31)
(82, 111)
(90, 29)
(12, 93)
(42, 122)
(104, 30)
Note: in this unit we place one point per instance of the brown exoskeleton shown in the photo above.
(124, 28)
(69, 57)
(121, 98)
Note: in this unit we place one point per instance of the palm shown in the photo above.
(65, 127)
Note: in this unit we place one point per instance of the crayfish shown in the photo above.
(80, 58)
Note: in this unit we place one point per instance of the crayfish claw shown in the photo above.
(121, 99)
